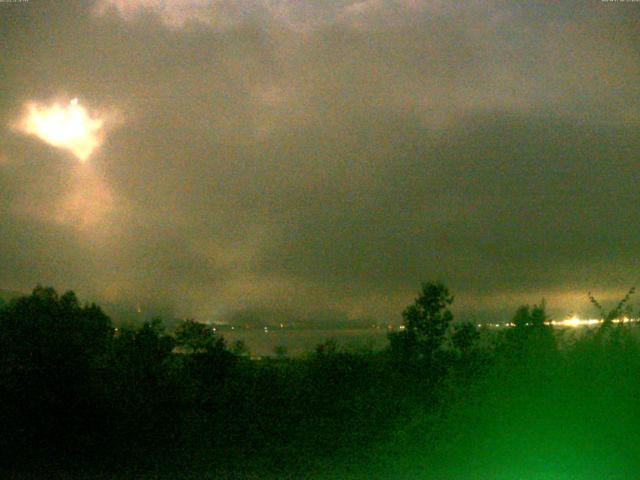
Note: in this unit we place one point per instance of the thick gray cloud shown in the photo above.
(324, 158)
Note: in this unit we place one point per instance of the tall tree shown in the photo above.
(425, 323)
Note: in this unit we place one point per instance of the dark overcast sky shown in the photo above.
(322, 158)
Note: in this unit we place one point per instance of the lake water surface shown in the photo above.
(299, 342)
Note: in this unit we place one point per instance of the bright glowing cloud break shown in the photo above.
(69, 127)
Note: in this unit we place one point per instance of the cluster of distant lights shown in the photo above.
(266, 328)
(573, 322)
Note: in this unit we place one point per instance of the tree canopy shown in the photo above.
(425, 323)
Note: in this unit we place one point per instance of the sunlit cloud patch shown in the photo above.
(296, 14)
(69, 127)
(178, 12)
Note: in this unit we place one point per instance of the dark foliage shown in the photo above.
(82, 397)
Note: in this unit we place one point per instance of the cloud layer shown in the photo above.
(324, 158)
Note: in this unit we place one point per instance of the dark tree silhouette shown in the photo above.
(465, 338)
(78, 395)
(426, 323)
(209, 361)
(240, 349)
(531, 333)
(196, 336)
(621, 309)
(50, 349)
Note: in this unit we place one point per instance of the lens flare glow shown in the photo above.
(64, 126)
(572, 322)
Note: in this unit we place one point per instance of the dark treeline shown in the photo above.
(444, 400)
